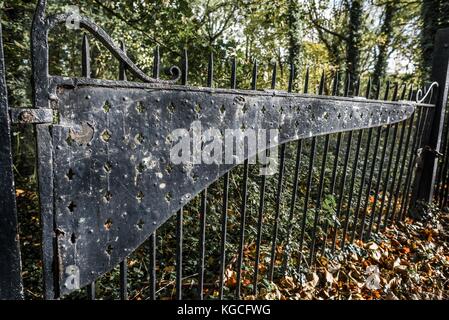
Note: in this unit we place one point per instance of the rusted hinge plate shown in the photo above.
(31, 116)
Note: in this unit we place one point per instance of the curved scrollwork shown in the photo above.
(420, 97)
(101, 35)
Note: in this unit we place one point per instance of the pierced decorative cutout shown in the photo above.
(140, 107)
(69, 140)
(140, 224)
(71, 206)
(169, 168)
(106, 135)
(107, 167)
(168, 197)
(139, 138)
(70, 174)
(140, 167)
(108, 224)
(106, 107)
(171, 108)
(109, 249)
(108, 196)
(140, 195)
(73, 238)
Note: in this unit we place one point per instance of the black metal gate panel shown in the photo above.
(114, 183)
(108, 180)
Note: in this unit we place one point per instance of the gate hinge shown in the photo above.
(436, 153)
(31, 116)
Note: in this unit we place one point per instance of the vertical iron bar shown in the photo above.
(244, 200)
(295, 181)
(351, 190)
(345, 167)
(440, 73)
(242, 228)
(210, 79)
(210, 70)
(262, 198)
(395, 173)
(390, 161)
(85, 57)
(259, 232)
(308, 186)
(152, 265)
(354, 175)
(279, 192)
(368, 190)
(411, 163)
(185, 67)
(202, 242)
(124, 263)
(86, 72)
(292, 206)
(364, 168)
(91, 291)
(224, 222)
(11, 286)
(180, 214)
(321, 181)
(156, 62)
(225, 204)
(371, 174)
(418, 147)
(404, 159)
(179, 241)
(124, 279)
(335, 163)
(403, 165)
(443, 168)
(277, 213)
(379, 174)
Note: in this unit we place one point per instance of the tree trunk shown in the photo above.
(430, 15)
(294, 32)
(384, 43)
(354, 39)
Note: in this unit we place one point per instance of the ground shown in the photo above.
(408, 261)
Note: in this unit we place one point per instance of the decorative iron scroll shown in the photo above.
(106, 177)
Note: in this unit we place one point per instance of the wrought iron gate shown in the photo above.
(106, 182)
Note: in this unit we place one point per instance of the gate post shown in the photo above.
(10, 263)
(426, 173)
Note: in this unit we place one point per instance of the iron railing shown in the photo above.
(351, 164)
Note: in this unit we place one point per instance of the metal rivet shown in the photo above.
(26, 117)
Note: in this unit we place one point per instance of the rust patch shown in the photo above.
(83, 136)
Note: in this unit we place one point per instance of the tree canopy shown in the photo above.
(377, 38)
